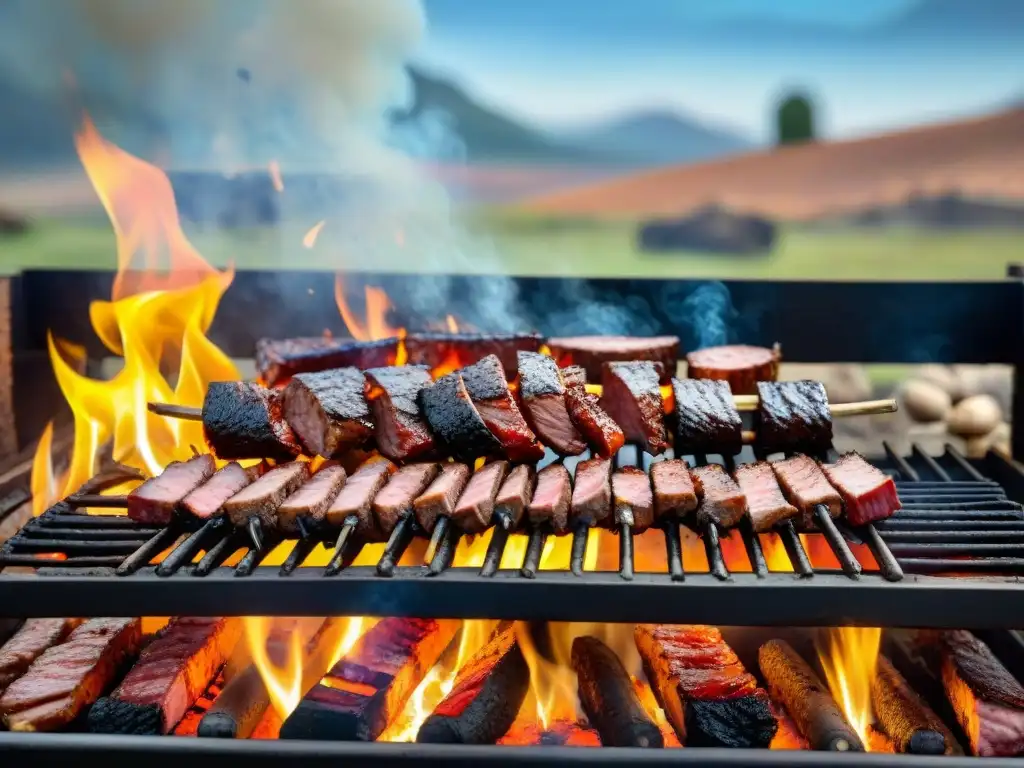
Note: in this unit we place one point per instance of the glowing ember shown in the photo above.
(309, 239)
(849, 663)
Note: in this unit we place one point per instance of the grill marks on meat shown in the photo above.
(674, 492)
(171, 674)
(392, 393)
(357, 495)
(868, 493)
(263, 497)
(363, 693)
(206, 500)
(455, 420)
(28, 644)
(67, 678)
(765, 501)
(987, 699)
(592, 492)
(551, 499)
(806, 486)
(435, 349)
(312, 499)
(592, 352)
(908, 721)
(242, 420)
(707, 695)
(488, 389)
(475, 508)
(706, 418)
(515, 493)
(280, 359)
(740, 365)
(395, 501)
(632, 498)
(328, 411)
(632, 397)
(604, 436)
(793, 416)
(157, 499)
(542, 394)
(721, 501)
(441, 495)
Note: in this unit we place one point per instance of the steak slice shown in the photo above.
(632, 397)
(28, 644)
(475, 508)
(806, 486)
(706, 418)
(488, 389)
(263, 497)
(312, 499)
(604, 436)
(395, 501)
(592, 352)
(456, 421)
(542, 395)
(328, 411)
(402, 432)
(868, 493)
(674, 493)
(793, 416)
(515, 493)
(242, 420)
(356, 498)
(441, 496)
(206, 500)
(280, 359)
(633, 500)
(592, 492)
(721, 500)
(157, 499)
(767, 505)
(740, 365)
(551, 499)
(436, 349)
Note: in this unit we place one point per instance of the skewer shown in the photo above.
(753, 546)
(254, 557)
(579, 549)
(400, 539)
(713, 549)
(183, 553)
(534, 549)
(338, 560)
(218, 553)
(674, 550)
(148, 551)
(170, 410)
(495, 550)
(851, 566)
(297, 556)
(442, 558)
(255, 529)
(440, 534)
(795, 550)
(626, 552)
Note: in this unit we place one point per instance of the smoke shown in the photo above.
(709, 312)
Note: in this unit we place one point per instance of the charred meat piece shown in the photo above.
(793, 416)
(361, 694)
(171, 674)
(707, 695)
(868, 493)
(765, 501)
(908, 721)
(395, 501)
(28, 644)
(551, 499)
(706, 418)
(542, 394)
(515, 493)
(604, 436)
(242, 420)
(609, 698)
(206, 500)
(740, 365)
(592, 492)
(441, 496)
(632, 499)
(157, 499)
(262, 497)
(435, 349)
(794, 684)
(402, 433)
(475, 508)
(632, 397)
(987, 699)
(592, 352)
(721, 501)
(356, 498)
(674, 493)
(312, 500)
(488, 389)
(806, 486)
(69, 677)
(328, 411)
(456, 421)
(485, 697)
(280, 359)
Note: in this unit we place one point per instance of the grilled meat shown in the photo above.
(395, 501)
(328, 411)
(312, 500)
(542, 394)
(632, 499)
(806, 486)
(604, 436)
(721, 501)
(740, 365)
(392, 393)
(793, 416)
(435, 349)
(157, 499)
(592, 492)
(592, 352)
(706, 418)
(475, 508)
(356, 498)
(262, 497)
(455, 420)
(28, 644)
(674, 493)
(206, 500)
(551, 499)
(908, 721)
(868, 493)
(280, 359)
(488, 389)
(765, 501)
(632, 397)
(441, 496)
(515, 493)
(242, 420)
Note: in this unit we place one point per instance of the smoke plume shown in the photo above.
(710, 313)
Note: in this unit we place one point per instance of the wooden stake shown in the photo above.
(176, 411)
(838, 410)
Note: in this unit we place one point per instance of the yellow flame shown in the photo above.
(309, 239)
(42, 482)
(849, 661)
(376, 325)
(452, 324)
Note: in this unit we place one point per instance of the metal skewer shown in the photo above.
(189, 413)
(338, 560)
(579, 548)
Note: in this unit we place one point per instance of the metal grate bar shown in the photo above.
(932, 464)
(965, 466)
(900, 463)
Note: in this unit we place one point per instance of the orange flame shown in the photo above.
(309, 239)
(375, 326)
(849, 661)
(452, 324)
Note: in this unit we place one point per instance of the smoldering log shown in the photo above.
(486, 697)
(908, 721)
(609, 697)
(793, 683)
(362, 694)
(560, 733)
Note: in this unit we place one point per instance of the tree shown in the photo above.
(795, 120)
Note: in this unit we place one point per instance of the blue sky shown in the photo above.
(874, 65)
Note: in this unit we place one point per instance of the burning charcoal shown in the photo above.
(551, 499)
(559, 733)
(793, 416)
(395, 501)
(632, 499)
(206, 500)
(328, 411)
(706, 418)
(441, 496)
(157, 499)
(632, 397)
(674, 493)
(542, 393)
(722, 503)
(435, 350)
(592, 492)
(768, 507)
(908, 721)
(33, 638)
(402, 433)
(488, 389)
(455, 420)
(278, 360)
(262, 498)
(475, 509)
(604, 436)
(356, 498)
(592, 352)
(742, 366)
(805, 486)
(869, 495)
(242, 420)
(311, 500)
